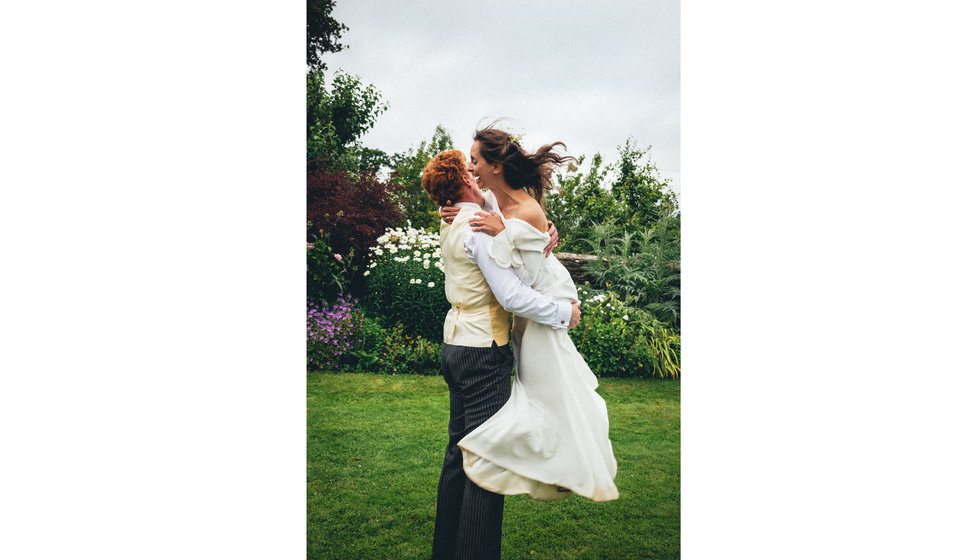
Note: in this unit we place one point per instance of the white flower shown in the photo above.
(366, 272)
(431, 284)
(626, 317)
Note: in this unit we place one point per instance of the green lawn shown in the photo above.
(374, 452)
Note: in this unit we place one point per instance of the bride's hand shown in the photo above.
(448, 212)
(490, 223)
(554, 238)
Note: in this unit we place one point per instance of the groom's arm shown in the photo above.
(514, 295)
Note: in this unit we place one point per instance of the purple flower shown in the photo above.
(331, 331)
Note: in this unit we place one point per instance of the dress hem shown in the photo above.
(561, 496)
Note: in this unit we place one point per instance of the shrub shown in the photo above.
(327, 272)
(352, 209)
(406, 282)
(372, 336)
(331, 332)
(366, 357)
(618, 340)
(409, 354)
(644, 267)
(349, 212)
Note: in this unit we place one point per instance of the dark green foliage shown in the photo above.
(421, 308)
(632, 224)
(618, 340)
(326, 275)
(638, 188)
(420, 211)
(403, 353)
(322, 32)
(336, 118)
(580, 201)
(642, 265)
(366, 357)
(627, 193)
(405, 282)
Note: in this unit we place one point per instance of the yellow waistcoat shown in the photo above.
(475, 319)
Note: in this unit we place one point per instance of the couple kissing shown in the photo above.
(546, 434)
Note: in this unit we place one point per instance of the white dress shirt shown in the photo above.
(513, 295)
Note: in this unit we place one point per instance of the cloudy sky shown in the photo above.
(589, 73)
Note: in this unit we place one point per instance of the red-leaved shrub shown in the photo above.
(346, 213)
(353, 210)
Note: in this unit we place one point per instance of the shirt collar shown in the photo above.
(466, 205)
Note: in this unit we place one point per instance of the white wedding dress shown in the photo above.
(551, 438)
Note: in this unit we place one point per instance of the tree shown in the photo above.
(631, 223)
(407, 178)
(632, 199)
(337, 117)
(580, 202)
(322, 33)
(638, 187)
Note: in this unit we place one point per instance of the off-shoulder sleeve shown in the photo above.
(504, 251)
(519, 246)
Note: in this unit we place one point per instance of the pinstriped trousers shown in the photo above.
(469, 519)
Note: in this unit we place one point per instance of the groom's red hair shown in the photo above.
(444, 176)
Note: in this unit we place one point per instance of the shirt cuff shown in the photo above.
(564, 315)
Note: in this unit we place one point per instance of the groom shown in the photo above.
(476, 356)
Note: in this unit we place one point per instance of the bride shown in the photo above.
(551, 438)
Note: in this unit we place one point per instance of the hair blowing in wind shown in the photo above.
(522, 170)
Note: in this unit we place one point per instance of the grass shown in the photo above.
(374, 452)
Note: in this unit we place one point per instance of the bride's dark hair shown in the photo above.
(521, 169)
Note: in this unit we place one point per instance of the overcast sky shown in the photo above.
(590, 74)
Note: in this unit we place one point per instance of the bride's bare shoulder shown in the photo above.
(532, 213)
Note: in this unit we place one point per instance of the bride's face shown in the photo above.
(478, 167)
